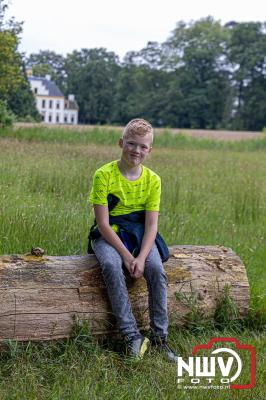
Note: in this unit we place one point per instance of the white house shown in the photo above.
(51, 103)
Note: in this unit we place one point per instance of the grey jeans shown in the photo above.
(113, 274)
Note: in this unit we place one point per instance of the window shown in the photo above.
(57, 117)
(35, 90)
(43, 104)
(50, 103)
(72, 119)
(65, 119)
(43, 116)
(50, 118)
(57, 105)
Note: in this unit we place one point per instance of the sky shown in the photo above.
(117, 25)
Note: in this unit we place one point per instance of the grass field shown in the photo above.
(213, 192)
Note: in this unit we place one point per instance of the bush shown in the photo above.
(29, 118)
(7, 118)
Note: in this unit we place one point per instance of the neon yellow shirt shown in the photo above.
(141, 194)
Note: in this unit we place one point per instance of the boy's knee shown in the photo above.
(110, 267)
(154, 270)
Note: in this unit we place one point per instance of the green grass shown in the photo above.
(80, 368)
(109, 135)
(213, 193)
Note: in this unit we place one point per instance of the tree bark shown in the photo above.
(42, 297)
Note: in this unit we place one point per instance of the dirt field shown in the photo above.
(220, 135)
(200, 133)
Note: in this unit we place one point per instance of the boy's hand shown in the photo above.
(128, 261)
(138, 265)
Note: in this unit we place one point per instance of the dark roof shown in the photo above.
(53, 90)
(71, 105)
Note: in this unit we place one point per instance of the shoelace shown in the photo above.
(164, 345)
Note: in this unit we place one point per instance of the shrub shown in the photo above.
(7, 118)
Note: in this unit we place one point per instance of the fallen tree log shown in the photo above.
(43, 296)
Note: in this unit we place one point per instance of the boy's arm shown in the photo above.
(151, 227)
(102, 219)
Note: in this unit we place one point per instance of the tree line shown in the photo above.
(205, 75)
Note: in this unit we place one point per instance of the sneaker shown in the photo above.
(136, 347)
(164, 348)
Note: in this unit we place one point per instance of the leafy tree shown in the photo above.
(151, 56)
(48, 63)
(14, 87)
(22, 102)
(196, 53)
(10, 59)
(204, 76)
(174, 112)
(6, 116)
(247, 57)
(139, 92)
(91, 75)
(124, 107)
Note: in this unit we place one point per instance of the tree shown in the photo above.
(124, 107)
(48, 63)
(140, 92)
(14, 87)
(10, 60)
(6, 116)
(204, 76)
(247, 57)
(91, 75)
(196, 53)
(151, 56)
(22, 102)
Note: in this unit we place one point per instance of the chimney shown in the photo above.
(48, 77)
(71, 97)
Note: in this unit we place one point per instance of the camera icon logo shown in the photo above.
(222, 367)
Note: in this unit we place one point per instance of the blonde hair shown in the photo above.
(138, 126)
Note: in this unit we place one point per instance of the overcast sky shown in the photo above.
(118, 25)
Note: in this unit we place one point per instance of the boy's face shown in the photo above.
(135, 149)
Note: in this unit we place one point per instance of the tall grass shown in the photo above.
(210, 196)
(80, 368)
(102, 135)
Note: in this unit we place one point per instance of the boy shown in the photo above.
(126, 198)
